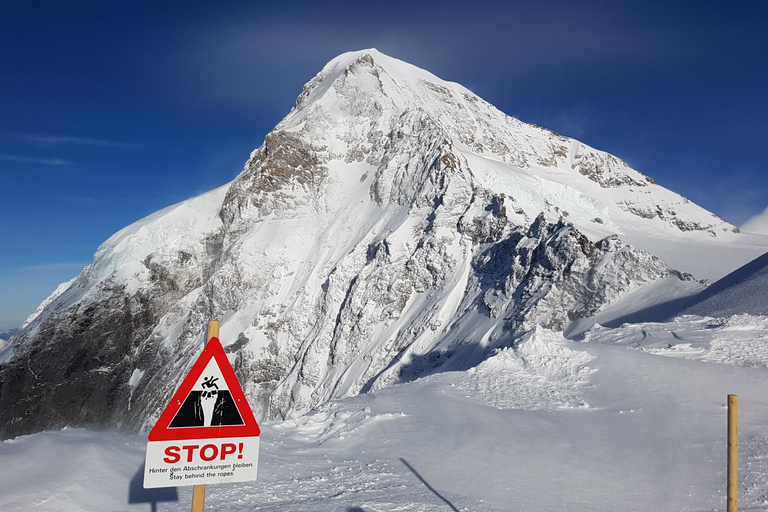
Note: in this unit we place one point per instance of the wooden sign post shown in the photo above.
(733, 452)
(198, 491)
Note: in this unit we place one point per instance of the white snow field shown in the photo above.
(628, 419)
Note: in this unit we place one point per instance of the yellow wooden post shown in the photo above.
(733, 452)
(198, 498)
(213, 330)
(198, 491)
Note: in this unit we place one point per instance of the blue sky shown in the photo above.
(111, 111)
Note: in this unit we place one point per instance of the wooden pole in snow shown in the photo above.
(198, 491)
(733, 452)
(198, 498)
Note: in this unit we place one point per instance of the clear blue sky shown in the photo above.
(110, 111)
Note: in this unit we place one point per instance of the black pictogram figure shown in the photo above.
(193, 414)
(210, 382)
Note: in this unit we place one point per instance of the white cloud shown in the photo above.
(32, 160)
(60, 140)
(56, 267)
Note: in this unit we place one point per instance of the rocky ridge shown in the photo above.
(393, 224)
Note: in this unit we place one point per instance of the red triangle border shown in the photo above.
(213, 350)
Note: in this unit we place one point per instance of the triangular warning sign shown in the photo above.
(209, 404)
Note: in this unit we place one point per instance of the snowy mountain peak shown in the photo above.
(361, 98)
(368, 71)
(392, 225)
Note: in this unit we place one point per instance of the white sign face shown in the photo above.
(201, 461)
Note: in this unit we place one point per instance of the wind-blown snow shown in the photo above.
(757, 224)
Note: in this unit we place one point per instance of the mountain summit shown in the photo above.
(392, 225)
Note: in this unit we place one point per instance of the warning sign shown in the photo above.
(207, 433)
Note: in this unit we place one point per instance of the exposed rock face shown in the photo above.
(392, 224)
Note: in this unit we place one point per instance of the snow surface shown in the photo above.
(743, 291)
(631, 419)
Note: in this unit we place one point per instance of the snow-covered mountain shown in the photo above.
(392, 225)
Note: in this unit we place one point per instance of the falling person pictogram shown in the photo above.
(207, 405)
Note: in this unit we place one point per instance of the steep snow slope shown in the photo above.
(391, 226)
(743, 291)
